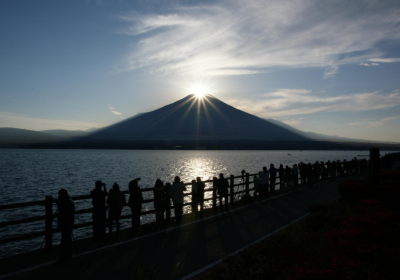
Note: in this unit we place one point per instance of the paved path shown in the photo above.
(180, 251)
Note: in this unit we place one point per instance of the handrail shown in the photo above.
(49, 201)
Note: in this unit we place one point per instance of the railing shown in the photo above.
(49, 201)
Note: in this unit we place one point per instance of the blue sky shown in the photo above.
(329, 67)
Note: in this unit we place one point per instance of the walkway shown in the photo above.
(179, 251)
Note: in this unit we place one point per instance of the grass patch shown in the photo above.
(341, 240)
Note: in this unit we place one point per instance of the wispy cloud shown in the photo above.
(113, 110)
(385, 60)
(377, 61)
(292, 121)
(368, 123)
(8, 119)
(289, 102)
(247, 37)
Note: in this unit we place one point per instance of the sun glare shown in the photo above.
(199, 91)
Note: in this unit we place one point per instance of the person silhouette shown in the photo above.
(223, 186)
(199, 195)
(135, 203)
(272, 175)
(176, 193)
(116, 200)
(66, 213)
(99, 211)
(160, 201)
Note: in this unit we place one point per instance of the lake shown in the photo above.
(27, 175)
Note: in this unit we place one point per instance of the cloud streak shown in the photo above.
(114, 111)
(367, 123)
(289, 102)
(247, 37)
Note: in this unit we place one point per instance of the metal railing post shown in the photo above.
(194, 204)
(232, 182)
(214, 198)
(374, 166)
(247, 183)
(168, 209)
(49, 222)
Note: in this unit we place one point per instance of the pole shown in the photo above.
(194, 206)
(374, 166)
(168, 209)
(247, 183)
(232, 182)
(214, 198)
(49, 223)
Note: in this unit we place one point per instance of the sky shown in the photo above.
(329, 67)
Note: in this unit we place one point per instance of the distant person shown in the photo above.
(264, 176)
(198, 194)
(222, 189)
(272, 175)
(135, 203)
(99, 211)
(116, 199)
(66, 212)
(176, 193)
(160, 201)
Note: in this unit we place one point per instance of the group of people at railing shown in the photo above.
(264, 183)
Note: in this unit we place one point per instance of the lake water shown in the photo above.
(27, 175)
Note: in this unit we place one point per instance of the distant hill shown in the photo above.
(18, 136)
(67, 133)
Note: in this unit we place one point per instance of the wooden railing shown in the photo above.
(49, 201)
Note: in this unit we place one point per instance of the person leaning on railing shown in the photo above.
(66, 212)
(135, 203)
(223, 186)
(176, 193)
(198, 194)
(160, 202)
(116, 200)
(99, 211)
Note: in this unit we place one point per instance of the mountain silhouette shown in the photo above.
(193, 118)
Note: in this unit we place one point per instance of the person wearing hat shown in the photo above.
(176, 193)
(66, 212)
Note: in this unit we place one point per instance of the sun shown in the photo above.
(199, 91)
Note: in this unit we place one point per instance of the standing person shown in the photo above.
(223, 186)
(199, 195)
(264, 176)
(135, 203)
(272, 175)
(160, 201)
(99, 211)
(66, 212)
(116, 199)
(176, 192)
